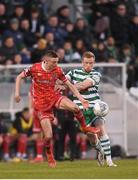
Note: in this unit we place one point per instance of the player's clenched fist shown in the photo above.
(85, 104)
(17, 98)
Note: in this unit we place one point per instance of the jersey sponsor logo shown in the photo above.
(44, 81)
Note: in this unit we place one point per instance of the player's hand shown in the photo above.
(59, 87)
(31, 111)
(85, 104)
(17, 98)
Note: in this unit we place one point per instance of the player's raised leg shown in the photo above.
(67, 104)
(47, 130)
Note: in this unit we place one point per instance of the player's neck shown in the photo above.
(45, 68)
(86, 71)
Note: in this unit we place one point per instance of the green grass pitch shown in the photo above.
(80, 169)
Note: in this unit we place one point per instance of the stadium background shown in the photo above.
(108, 28)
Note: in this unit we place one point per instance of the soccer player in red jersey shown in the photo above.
(44, 76)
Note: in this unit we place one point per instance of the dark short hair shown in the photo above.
(61, 8)
(126, 46)
(51, 53)
(7, 37)
(34, 10)
(25, 109)
(19, 6)
(51, 16)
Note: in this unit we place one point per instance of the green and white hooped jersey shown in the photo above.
(91, 94)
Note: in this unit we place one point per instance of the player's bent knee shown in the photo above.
(102, 130)
(75, 108)
(47, 128)
(48, 136)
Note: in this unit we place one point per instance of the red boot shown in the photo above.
(50, 159)
(37, 160)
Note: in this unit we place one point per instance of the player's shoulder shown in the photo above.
(77, 71)
(57, 69)
(95, 72)
(36, 66)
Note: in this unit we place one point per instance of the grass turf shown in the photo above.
(82, 169)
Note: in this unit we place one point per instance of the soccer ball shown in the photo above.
(101, 109)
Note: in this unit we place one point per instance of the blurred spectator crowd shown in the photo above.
(29, 28)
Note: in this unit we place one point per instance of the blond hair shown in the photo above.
(88, 54)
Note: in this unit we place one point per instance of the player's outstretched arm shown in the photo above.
(17, 86)
(89, 82)
(75, 91)
(30, 103)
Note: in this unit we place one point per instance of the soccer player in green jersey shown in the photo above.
(87, 82)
